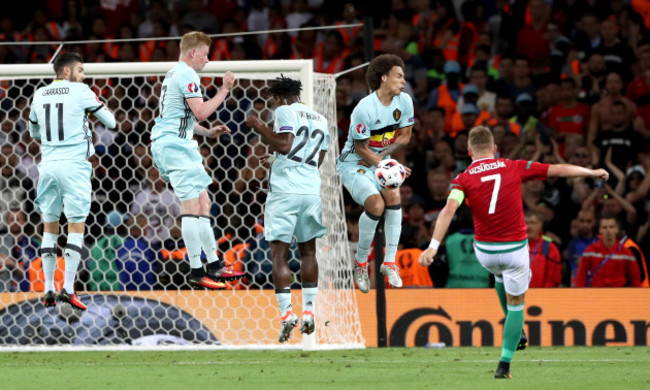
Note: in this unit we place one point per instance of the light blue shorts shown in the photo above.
(181, 164)
(286, 215)
(64, 185)
(358, 180)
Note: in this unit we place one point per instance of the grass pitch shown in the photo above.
(387, 368)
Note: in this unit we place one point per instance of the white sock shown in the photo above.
(283, 295)
(309, 297)
(48, 256)
(72, 255)
(208, 242)
(191, 231)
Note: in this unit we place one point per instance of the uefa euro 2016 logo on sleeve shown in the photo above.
(361, 128)
(192, 87)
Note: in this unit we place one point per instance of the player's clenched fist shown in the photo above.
(601, 174)
(426, 257)
(228, 80)
(253, 122)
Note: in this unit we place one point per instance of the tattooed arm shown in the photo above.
(402, 140)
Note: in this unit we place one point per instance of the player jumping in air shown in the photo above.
(380, 124)
(177, 155)
(59, 119)
(300, 139)
(493, 190)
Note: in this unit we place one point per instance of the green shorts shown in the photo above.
(181, 164)
(64, 185)
(286, 215)
(358, 180)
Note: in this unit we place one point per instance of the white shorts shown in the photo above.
(509, 260)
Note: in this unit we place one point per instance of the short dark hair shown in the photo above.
(569, 80)
(66, 59)
(380, 66)
(285, 87)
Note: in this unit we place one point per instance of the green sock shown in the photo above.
(512, 331)
(501, 292)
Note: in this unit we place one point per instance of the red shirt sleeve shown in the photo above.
(531, 170)
(456, 184)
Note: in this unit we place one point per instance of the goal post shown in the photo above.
(133, 273)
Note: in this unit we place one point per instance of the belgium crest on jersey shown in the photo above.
(397, 114)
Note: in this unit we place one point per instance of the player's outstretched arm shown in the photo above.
(442, 224)
(280, 142)
(203, 109)
(568, 170)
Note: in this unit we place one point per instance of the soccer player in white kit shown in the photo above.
(177, 156)
(59, 119)
(300, 139)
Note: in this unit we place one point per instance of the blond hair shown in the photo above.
(194, 40)
(480, 139)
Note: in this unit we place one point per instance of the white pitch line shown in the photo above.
(321, 361)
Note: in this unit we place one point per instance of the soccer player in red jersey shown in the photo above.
(493, 190)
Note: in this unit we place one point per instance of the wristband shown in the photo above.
(434, 244)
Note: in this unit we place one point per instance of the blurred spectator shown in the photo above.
(438, 185)
(258, 20)
(415, 223)
(531, 40)
(298, 16)
(586, 222)
(198, 19)
(412, 274)
(159, 204)
(135, 258)
(601, 112)
(569, 120)
(332, 58)
(349, 34)
(545, 261)
(14, 185)
(462, 268)
(618, 55)
(447, 95)
(17, 250)
(587, 37)
(626, 144)
(607, 262)
(104, 273)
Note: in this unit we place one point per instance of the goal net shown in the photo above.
(133, 276)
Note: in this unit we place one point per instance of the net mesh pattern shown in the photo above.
(133, 274)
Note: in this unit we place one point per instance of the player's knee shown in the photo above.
(375, 205)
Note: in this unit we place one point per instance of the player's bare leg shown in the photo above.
(392, 229)
(309, 279)
(368, 221)
(191, 227)
(511, 334)
(282, 283)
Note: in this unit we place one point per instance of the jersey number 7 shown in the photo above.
(495, 190)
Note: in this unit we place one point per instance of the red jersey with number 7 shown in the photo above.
(492, 187)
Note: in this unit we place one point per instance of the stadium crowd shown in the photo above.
(556, 81)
